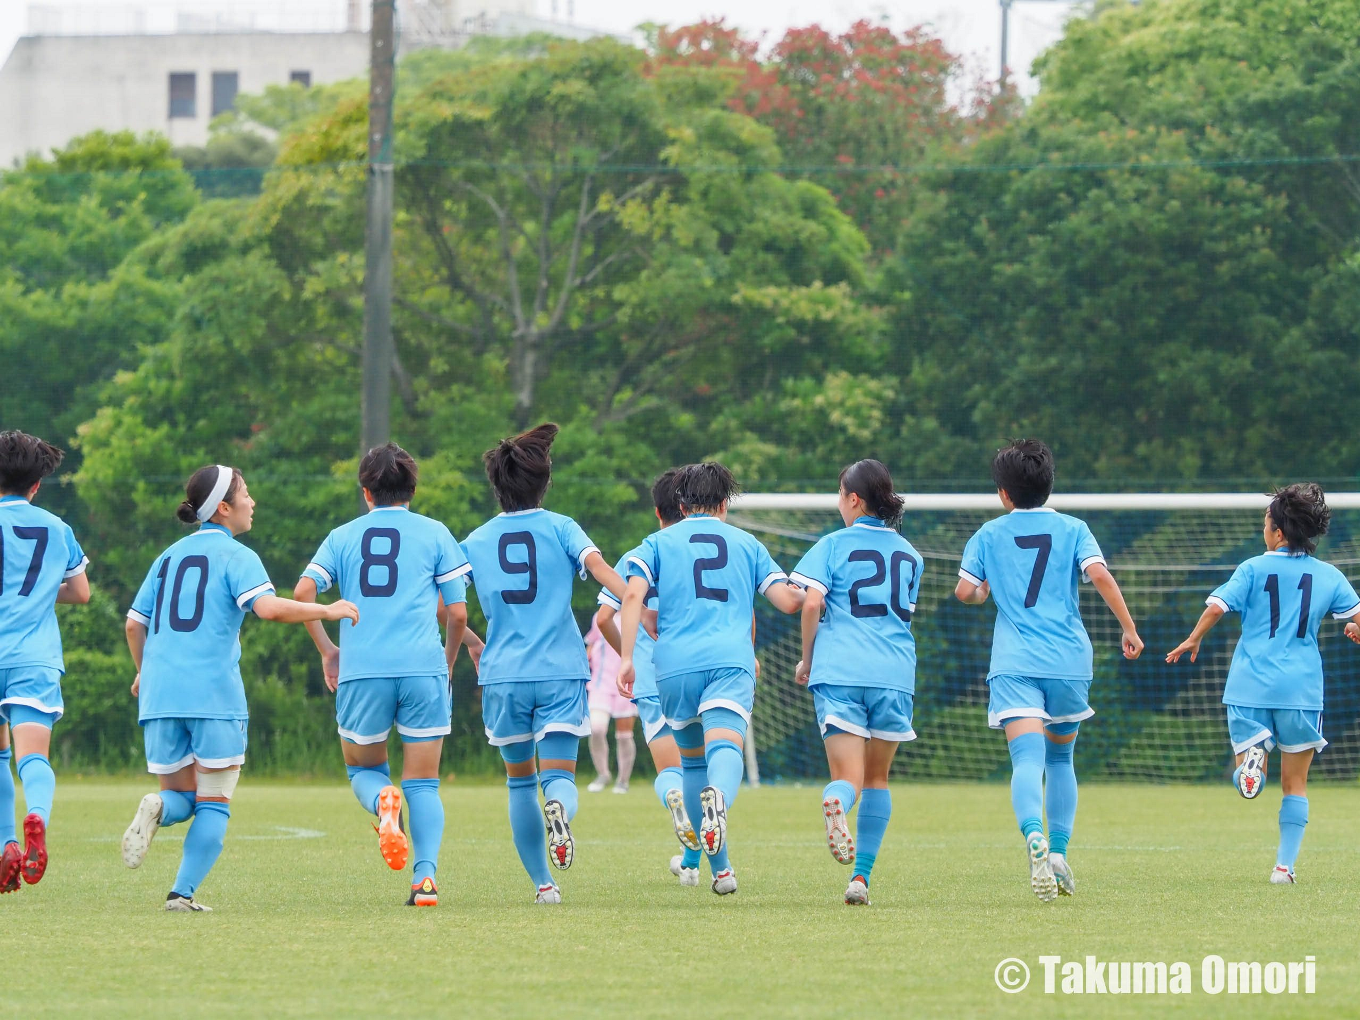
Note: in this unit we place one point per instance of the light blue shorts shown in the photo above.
(685, 697)
(654, 725)
(864, 711)
(1027, 697)
(529, 709)
(172, 744)
(420, 706)
(35, 687)
(1290, 729)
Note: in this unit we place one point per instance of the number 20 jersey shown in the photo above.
(1033, 560)
(706, 573)
(524, 564)
(392, 564)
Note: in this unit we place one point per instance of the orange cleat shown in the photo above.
(392, 841)
(35, 850)
(424, 895)
(11, 861)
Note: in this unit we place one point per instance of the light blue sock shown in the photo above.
(875, 808)
(426, 812)
(367, 782)
(178, 807)
(8, 833)
(694, 773)
(841, 790)
(667, 780)
(1237, 772)
(559, 784)
(725, 768)
(202, 845)
(1293, 819)
(1027, 782)
(40, 785)
(526, 826)
(1060, 793)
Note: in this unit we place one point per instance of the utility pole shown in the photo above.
(376, 412)
(1006, 6)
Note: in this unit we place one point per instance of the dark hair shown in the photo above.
(1301, 512)
(665, 496)
(200, 487)
(25, 461)
(1024, 469)
(520, 469)
(871, 482)
(389, 474)
(705, 487)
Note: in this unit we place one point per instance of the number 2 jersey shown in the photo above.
(394, 565)
(524, 564)
(1282, 600)
(1033, 559)
(192, 603)
(870, 577)
(38, 551)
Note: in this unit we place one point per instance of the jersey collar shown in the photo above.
(1034, 510)
(11, 500)
(1280, 551)
(869, 522)
(208, 526)
(520, 513)
(693, 517)
(388, 506)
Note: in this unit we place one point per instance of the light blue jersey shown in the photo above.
(870, 577)
(392, 564)
(192, 603)
(707, 574)
(1033, 560)
(644, 666)
(523, 567)
(38, 551)
(1282, 600)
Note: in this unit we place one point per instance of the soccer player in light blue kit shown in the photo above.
(1040, 678)
(391, 669)
(859, 659)
(707, 574)
(183, 631)
(1274, 689)
(41, 564)
(533, 669)
(669, 785)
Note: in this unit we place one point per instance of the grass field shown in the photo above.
(309, 922)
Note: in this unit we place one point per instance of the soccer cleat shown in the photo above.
(620, 788)
(724, 882)
(137, 838)
(548, 894)
(1249, 777)
(713, 828)
(424, 895)
(684, 828)
(1280, 876)
(838, 831)
(11, 861)
(687, 876)
(35, 850)
(598, 784)
(561, 848)
(1041, 878)
(1062, 874)
(392, 841)
(175, 903)
(857, 892)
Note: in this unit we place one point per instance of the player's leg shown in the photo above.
(508, 717)
(11, 857)
(561, 717)
(725, 710)
(1016, 705)
(32, 734)
(670, 787)
(625, 749)
(875, 811)
(424, 706)
(1299, 734)
(1252, 735)
(365, 711)
(844, 724)
(599, 746)
(1060, 799)
(170, 758)
(219, 748)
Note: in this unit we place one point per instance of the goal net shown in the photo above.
(1153, 720)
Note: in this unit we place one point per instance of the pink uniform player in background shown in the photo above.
(607, 703)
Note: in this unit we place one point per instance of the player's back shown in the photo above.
(1033, 560)
(524, 565)
(38, 551)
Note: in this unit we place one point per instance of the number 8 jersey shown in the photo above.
(192, 603)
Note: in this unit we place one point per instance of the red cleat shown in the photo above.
(11, 860)
(35, 850)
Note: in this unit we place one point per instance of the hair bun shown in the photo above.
(187, 512)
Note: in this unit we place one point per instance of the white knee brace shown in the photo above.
(218, 784)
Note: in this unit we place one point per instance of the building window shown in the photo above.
(303, 78)
(183, 94)
(224, 88)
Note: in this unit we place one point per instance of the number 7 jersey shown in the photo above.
(1033, 559)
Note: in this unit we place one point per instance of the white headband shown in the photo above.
(219, 492)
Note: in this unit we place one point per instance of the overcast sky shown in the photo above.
(971, 28)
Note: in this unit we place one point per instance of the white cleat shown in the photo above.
(724, 882)
(620, 788)
(1062, 874)
(1282, 876)
(185, 905)
(713, 828)
(857, 893)
(561, 847)
(1250, 777)
(687, 876)
(137, 838)
(1041, 878)
(598, 784)
(838, 831)
(684, 828)
(548, 894)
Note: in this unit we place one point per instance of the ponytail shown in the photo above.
(871, 482)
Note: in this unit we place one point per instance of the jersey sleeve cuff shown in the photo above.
(1089, 562)
(247, 598)
(1348, 613)
(140, 617)
(450, 575)
(633, 561)
(606, 598)
(972, 579)
(320, 575)
(777, 575)
(581, 560)
(1214, 600)
(804, 581)
(78, 569)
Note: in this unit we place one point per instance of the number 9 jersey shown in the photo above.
(192, 603)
